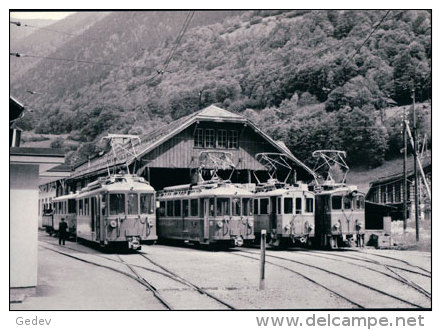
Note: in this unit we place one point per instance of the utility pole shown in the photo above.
(415, 160)
(404, 171)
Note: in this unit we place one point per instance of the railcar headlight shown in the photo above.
(113, 223)
(250, 222)
(287, 227)
(150, 222)
(220, 224)
(336, 226)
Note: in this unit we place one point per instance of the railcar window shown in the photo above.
(194, 207)
(169, 208)
(72, 206)
(309, 205)
(223, 206)
(146, 203)
(298, 205)
(347, 203)
(287, 205)
(177, 208)
(236, 206)
(104, 204)
(247, 206)
(117, 204)
(359, 202)
(279, 205)
(161, 208)
(132, 203)
(256, 205)
(336, 202)
(264, 206)
(211, 207)
(80, 207)
(209, 138)
(185, 207)
(86, 206)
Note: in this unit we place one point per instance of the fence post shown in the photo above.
(262, 259)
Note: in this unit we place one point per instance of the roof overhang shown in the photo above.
(46, 158)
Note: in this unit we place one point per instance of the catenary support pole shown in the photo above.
(262, 259)
(415, 165)
(404, 171)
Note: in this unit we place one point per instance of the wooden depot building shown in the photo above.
(171, 154)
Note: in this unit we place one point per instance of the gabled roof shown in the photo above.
(155, 138)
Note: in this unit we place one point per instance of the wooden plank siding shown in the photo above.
(180, 151)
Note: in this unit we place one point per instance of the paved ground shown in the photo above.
(295, 279)
(68, 284)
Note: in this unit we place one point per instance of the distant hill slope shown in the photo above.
(19, 32)
(277, 63)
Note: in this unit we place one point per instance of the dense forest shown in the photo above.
(322, 79)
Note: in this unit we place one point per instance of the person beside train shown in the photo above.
(62, 232)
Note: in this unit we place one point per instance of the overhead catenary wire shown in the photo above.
(368, 37)
(16, 54)
(178, 40)
(18, 23)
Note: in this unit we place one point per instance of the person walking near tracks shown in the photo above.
(62, 232)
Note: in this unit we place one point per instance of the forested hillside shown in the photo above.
(314, 79)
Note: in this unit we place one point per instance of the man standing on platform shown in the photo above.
(62, 232)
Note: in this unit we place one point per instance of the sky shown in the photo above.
(56, 15)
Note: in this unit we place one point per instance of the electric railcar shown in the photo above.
(340, 216)
(213, 212)
(62, 207)
(285, 211)
(117, 210)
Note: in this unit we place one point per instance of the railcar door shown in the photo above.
(94, 225)
(273, 214)
(101, 229)
(206, 218)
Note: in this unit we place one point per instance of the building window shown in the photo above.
(222, 139)
(233, 140)
(209, 138)
(199, 138)
(398, 193)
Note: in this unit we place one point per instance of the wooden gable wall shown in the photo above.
(180, 150)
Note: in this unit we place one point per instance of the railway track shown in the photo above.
(135, 275)
(321, 269)
(396, 275)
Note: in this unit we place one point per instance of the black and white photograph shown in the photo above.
(205, 160)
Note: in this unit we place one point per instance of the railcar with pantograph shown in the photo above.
(64, 207)
(340, 208)
(213, 212)
(117, 210)
(285, 211)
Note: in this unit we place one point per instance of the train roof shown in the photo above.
(118, 183)
(274, 187)
(341, 188)
(209, 188)
(64, 197)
